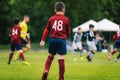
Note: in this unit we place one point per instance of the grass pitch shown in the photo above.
(98, 69)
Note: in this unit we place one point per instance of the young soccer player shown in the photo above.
(77, 44)
(91, 42)
(59, 28)
(116, 38)
(25, 39)
(16, 41)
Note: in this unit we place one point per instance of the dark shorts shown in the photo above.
(57, 46)
(117, 43)
(16, 47)
(24, 42)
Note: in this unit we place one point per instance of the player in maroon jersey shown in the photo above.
(116, 38)
(16, 41)
(59, 28)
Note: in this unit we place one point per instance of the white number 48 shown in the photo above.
(58, 25)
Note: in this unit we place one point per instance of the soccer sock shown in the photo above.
(74, 53)
(61, 69)
(118, 56)
(10, 57)
(47, 67)
(17, 55)
(113, 52)
(48, 63)
(81, 52)
(91, 54)
(22, 56)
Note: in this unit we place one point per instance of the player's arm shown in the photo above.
(45, 32)
(81, 41)
(114, 36)
(10, 33)
(44, 35)
(42, 43)
(75, 37)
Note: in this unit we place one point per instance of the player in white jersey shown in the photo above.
(77, 44)
(91, 42)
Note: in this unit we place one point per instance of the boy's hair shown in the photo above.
(79, 28)
(26, 16)
(16, 21)
(91, 26)
(59, 6)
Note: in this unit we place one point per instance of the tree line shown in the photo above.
(78, 11)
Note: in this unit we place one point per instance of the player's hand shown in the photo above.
(42, 43)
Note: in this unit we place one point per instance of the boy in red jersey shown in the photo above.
(59, 28)
(116, 38)
(16, 41)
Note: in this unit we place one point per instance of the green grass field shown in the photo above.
(98, 69)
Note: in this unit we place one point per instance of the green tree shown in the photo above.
(78, 11)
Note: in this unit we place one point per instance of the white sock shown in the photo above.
(91, 55)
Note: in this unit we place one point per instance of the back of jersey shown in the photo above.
(15, 34)
(58, 26)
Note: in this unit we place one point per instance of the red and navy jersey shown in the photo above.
(58, 26)
(15, 34)
(116, 36)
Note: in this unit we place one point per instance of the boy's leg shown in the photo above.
(48, 63)
(93, 50)
(61, 66)
(88, 56)
(13, 46)
(81, 52)
(74, 53)
(92, 54)
(26, 48)
(74, 48)
(116, 59)
(118, 56)
(22, 58)
(112, 53)
(17, 55)
(21, 55)
(19, 48)
(10, 57)
(79, 45)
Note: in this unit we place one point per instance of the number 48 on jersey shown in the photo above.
(58, 25)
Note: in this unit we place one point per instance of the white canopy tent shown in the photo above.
(85, 26)
(107, 25)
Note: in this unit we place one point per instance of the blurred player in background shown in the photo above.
(91, 43)
(116, 39)
(59, 28)
(25, 39)
(16, 42)
(77, 44)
